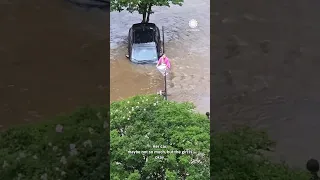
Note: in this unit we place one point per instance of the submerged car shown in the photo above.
(144, 43)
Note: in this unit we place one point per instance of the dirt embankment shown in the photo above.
(265, 60)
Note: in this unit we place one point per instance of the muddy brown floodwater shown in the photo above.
(266, 72)
(188, 49)
(53, 58)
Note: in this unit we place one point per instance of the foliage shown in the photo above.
(74, 147)
(141, 6)
(70, 147)
(238, 155)
(139, 123)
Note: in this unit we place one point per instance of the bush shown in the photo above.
(70, 147)
(74, 147)
(238, 155)
(142, 122)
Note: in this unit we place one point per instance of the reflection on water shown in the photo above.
(53, 57)
(188, 49)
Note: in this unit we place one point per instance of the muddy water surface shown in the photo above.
(53, 58)
(188, 49)
(267, 72)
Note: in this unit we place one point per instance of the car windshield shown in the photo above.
(144, 53)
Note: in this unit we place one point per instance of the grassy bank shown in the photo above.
(73, 147)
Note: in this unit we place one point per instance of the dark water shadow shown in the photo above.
(89, 4)
(53, 59)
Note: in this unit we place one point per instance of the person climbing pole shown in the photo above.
(164, 66)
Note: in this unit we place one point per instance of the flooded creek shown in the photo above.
(187, 48)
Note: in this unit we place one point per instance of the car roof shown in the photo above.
(144, 25)
(144, 32)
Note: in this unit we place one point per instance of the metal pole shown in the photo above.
(163, 39)
(165, 86)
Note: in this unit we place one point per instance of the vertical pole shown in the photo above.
(163, 39)
(165, 86)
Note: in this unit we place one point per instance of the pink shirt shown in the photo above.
(166, 62)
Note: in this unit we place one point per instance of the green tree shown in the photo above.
(75, 146)
(141, 122)
(68, 147)
(238, 155)
(143, 7)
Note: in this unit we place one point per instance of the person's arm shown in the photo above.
(168, 64)
(158, 62)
